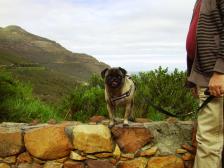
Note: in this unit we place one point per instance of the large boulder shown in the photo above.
(92, 138)
(49, 142)
(132, 138)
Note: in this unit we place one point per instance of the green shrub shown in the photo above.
(163, 89)
(84, 102)
(18, 104)
(96, 81)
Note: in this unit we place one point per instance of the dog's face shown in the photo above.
(114, 77)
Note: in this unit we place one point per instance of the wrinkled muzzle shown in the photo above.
(114, 81)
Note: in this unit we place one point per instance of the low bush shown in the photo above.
(164, 89)
(18, 104)
(85, 101)
(160, 87)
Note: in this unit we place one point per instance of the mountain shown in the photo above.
(18, 46)
(47, 65)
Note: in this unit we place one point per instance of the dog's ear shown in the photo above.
(123, 71)
(104, 72)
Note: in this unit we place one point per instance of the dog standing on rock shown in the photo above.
(119, 91)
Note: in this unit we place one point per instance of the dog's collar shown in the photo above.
(124, 95)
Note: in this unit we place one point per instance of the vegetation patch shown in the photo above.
(160, 87)
(18, 104)
(84, 100)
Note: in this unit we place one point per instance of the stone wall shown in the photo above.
(94, 145)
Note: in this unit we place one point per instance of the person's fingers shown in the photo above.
(212, 92)
(215, 91)
(218, 90)
(222, 90)
(216, 84)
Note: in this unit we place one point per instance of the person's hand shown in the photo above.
(216, 84)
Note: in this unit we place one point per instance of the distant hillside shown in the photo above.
(22, 53)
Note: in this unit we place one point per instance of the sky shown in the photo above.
(138, 35)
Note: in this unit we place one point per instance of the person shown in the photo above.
(205, 69)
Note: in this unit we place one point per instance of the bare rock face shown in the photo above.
(132, 138)
(11, 140)
(166, 161)
(135, 163)
(92, 138)
(48, 142)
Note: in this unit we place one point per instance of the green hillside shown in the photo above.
(49, 67)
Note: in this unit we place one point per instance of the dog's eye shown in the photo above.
(108, 77)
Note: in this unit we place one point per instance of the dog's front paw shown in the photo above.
(126, 123)
(111, 124)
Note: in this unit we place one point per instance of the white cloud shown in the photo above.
(109, 29)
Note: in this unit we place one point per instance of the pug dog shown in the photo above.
(119, 91)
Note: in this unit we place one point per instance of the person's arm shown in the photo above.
(216, 83)
(219, 65)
